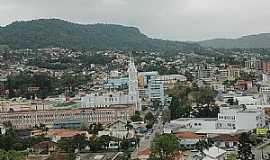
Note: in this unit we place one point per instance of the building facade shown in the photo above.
(29, 119)
(237, 118)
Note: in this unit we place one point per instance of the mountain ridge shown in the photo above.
(261, 40)
(42, 33)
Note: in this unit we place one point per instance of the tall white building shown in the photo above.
(151, 87)
(156, 91)
(133, 89)
(108, 99)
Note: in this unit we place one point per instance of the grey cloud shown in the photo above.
(167, 19)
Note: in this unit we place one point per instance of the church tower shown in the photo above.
(133, 89)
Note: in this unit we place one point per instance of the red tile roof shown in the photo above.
(65, 133)
(44, 144)
(177, 155)
(144, 152)
(187, 135)
(226, 137)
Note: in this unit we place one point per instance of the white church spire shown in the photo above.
(133, 89)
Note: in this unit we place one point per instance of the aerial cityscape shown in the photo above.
(126, 80)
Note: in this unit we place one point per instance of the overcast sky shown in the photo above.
(166, 19)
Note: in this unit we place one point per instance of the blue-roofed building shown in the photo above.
(121, 83)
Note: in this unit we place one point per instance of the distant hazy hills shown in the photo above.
(252, 41)
(59, 33)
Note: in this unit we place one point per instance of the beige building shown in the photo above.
(58, 118)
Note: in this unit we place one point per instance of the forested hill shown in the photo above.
(59, 33)
(251, 41)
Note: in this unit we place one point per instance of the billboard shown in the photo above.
(261, 131)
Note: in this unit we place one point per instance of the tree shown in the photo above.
(206, 112)
(124, 144)
(95, 144)
(136, 117)
(11, 155)
(156, 104)
(179, 109)
(201, 145)
(7, 124)
(204, 96)
(79, 141)
(149, 118)
(253, 139)
(129, 126)
(94, 128)
(244, 149)
(70, 144)
(232, 157)
(66, 145)
(173, 107)
(164, 145)
(105, 140)
(166, 116)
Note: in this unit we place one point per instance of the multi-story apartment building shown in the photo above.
(170, 80)
(230, 73)
(254, 64)
(65, 117)
(105, 100)
(151, 86)
(266, 67)
(156, 91)
(265, 92)
(238, 118)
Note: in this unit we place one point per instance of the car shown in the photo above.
(194, 150)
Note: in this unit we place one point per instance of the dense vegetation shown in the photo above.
(163, 146)
(251, 41)
(58, 33)
(18, 85)
(185, 97)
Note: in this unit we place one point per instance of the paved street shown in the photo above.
(96, 156)
(145, 141)
(263, 149)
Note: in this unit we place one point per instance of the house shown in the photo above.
(2, 129)
(214, 153)
(243, 85)
(118, 129)
(144, 154)
(226, 141)
(57, 134)
(45, 146)
(140, 127)
(188, 139)
(177, 155)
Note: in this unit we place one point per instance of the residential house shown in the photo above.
(119, 130)
(188, 139)
(57, 134)
(226, 141)
(144, 154)
(214, 153)
(45, 146)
